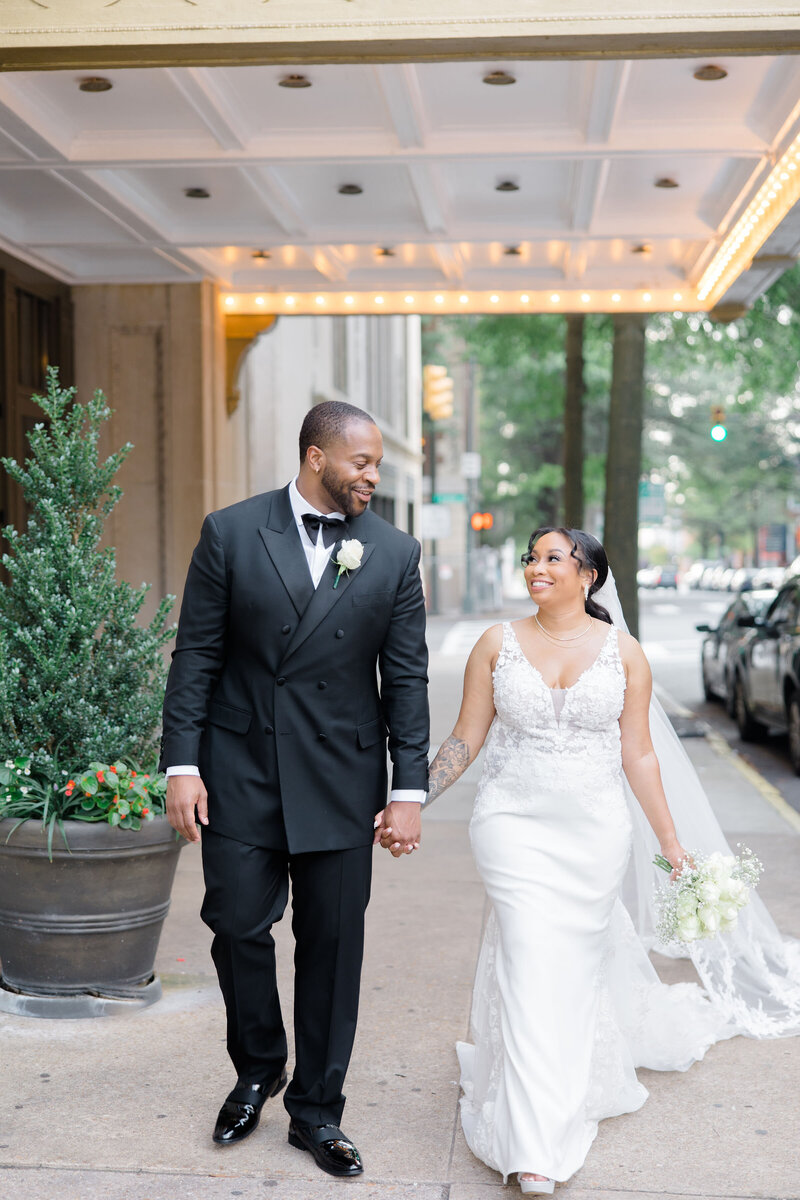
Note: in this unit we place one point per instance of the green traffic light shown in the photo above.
(719, 433)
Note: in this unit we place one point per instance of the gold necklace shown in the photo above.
(573, 638)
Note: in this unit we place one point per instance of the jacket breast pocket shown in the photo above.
(371, 733)
(372, 599)
(237, 720)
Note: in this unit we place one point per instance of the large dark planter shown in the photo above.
(89, 921)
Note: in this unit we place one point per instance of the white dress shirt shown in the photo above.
(317, 555)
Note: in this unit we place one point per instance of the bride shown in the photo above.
(566, 1002)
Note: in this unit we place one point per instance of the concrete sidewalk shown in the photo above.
(122, 1108)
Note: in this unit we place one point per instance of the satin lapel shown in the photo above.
(325, 598)
(282, 540)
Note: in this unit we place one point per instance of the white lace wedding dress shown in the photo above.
(566, 1001)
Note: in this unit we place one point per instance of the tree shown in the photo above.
(80, 679)
(725, 490)
(521, 366)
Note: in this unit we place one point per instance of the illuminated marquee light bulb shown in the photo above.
(290, 301)
(463, 299)
(260, 300)
(776, 196)
(230, 301)
(348, 299)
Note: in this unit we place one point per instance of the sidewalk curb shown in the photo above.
(765, 789)
(718, 744)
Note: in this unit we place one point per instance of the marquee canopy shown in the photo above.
(493, 185)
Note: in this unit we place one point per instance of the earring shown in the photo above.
(586, 592)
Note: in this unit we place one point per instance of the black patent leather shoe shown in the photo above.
(240, 1113)
(333, 1152)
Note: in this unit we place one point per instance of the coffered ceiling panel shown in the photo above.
(93, 184)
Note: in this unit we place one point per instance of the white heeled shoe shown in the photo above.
(541, 1187)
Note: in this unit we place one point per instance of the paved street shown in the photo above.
(122, 1108)
(667, 621)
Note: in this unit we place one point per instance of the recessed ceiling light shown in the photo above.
(512, 251)
(642, 248)
(507, 185)
(350, 189)
(294, 81)
(95, 83)
(499, 78)
(385, 252)
(197, 193)
(666, 182)
(260, 255)
(710, 73)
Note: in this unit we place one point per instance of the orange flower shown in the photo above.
(133, 773)
(87, 793)
(70, 783)
(145, 811)
(101, 777)
(130, 785)
(113, 769)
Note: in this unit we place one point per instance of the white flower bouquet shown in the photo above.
(706, 896)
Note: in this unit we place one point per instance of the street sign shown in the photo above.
(652, 501)
(471, 464)
(435, 522)
(449, 498)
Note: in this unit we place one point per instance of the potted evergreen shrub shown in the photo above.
(87, 856)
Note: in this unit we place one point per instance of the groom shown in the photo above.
(275, 730)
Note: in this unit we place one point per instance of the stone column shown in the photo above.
(624, 460)
(157, 351)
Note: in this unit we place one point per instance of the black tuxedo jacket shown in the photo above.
(273, 690)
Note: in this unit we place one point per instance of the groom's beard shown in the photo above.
(341, 493)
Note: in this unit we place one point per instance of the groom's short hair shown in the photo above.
(326, 423)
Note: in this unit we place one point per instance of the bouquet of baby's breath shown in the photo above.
(706, 896)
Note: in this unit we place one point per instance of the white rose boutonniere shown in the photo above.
(348, 557)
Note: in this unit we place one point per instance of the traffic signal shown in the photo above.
(437, 392)
(718, 429)
(480, 521)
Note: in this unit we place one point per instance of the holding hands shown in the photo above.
(398, 827)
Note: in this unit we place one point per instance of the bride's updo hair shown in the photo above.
(589, 554)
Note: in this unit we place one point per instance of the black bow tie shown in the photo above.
(332, 528)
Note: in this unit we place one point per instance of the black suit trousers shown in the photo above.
(247, 889)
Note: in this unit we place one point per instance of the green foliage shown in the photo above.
(749, 367)
(521, 363)
(80, 678)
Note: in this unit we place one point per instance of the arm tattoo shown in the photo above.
(450, 763)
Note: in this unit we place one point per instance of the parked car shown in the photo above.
(666, 577)
(766, 671)
(693, 578)
(743, 577)
(717, 662)
(771, 576)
